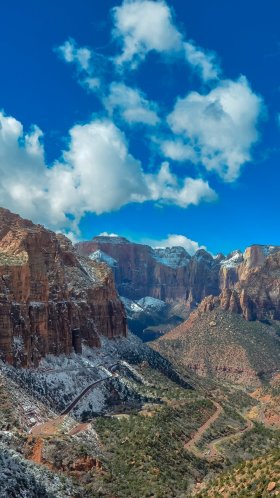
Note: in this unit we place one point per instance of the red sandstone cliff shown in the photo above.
(47, 291)
(247, 283)
(250, 287)
(168, 274)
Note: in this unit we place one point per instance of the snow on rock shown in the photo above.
(101, 256)
(151, 303)
(130, 306)
(233, 259)
(59, 380)
(93, 403)
(23, 479)
(268, 250)
(18, 344)
(107, 239)
(95, 380)
(146, 304)
(175, 257)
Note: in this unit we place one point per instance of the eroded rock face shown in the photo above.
(47, 291)
(169, 274)
(247, 283)
(202, 277)
(251, 287)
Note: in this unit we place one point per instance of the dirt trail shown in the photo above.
(36, 455)
(212, 449)
(191, 444)
(79, 428)
(48, 428)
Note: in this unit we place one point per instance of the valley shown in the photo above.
(157, 393)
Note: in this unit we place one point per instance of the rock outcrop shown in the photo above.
(247, 283)
(250, 285)
(169, 274)
(50, 296)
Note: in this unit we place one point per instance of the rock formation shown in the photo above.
(247, 283)
(49, 295)
(169, 274)
(250, 285)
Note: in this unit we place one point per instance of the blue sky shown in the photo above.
(147, 119)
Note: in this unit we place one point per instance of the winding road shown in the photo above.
(82, 394)
(212, 451)
(50, 427)
(191, 444)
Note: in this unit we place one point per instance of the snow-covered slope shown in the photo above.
(101, 256)
(151, 304)
(232, 260)
(175, 257)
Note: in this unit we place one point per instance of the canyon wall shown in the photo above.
(169, 274)
(247, 283)
(50, 297)
(251, 287)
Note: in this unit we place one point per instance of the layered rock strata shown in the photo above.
(251, 287)
(169, 274)
(246, 283)
(51, 299)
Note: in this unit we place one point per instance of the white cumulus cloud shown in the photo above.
(97, 174)
(22, 167)
(169, 189)
(204, 62)
(107, 234)
(131, 105)
(175, 240)
(142, 26)
(82, 58)
(221, 127)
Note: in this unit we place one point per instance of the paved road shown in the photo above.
(82, 394)
(50, 426)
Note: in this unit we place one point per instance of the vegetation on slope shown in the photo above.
(258, 478)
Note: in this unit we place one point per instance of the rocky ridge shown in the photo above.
(51, 299)
(250, 284)
(139, 270)
(247, 283)
(222, 345)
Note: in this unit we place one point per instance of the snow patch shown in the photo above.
(175, 257)
(268, 250)
(130, 306)
(151, 303)
(233, 260)
(145, 304)
(101, 256)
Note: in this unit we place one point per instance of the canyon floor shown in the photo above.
(132, 424)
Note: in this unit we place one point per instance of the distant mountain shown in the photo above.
(234, 335)
(248, 282)
(139, 270)
(150, 318)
